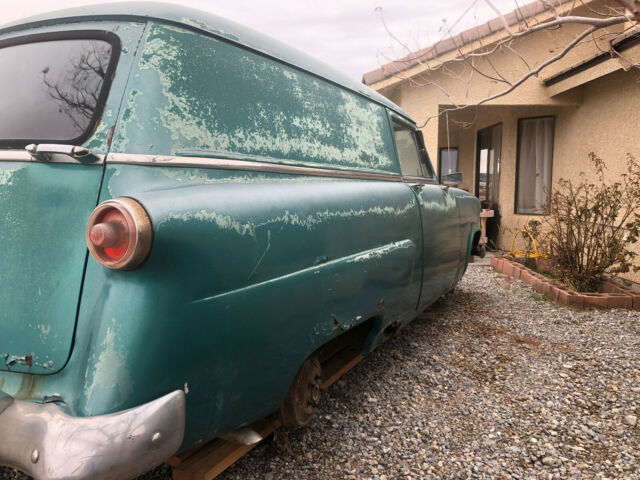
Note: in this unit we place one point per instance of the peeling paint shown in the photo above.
(382, 251)
(307, 222)
(11, 360)
(98, 140)
(7, 172)
(194, 22)
(255, 106)
(109, 373)
(224, 222)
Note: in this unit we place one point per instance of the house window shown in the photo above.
(448, 161)
(534, 164)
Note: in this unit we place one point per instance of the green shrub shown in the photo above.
(591, 225)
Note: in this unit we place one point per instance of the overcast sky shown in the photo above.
(348, 34)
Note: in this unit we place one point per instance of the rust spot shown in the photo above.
(27, 387)
(11, 360)
(380, 305)
(335, 323)
(110, 135)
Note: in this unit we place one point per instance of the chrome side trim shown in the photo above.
(24, 156)
(46, 443)
(230, 164)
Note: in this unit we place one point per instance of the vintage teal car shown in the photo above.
(244, 207)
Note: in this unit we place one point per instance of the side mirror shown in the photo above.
(452, 179)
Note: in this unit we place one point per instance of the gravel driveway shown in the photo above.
(490, 383)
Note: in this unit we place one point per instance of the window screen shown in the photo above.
(535, 161)
(50, 90)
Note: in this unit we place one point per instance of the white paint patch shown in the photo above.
(110, 370)
(225, 222)
(380, 252)
(307, 222)
(6, 175)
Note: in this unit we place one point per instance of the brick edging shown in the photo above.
(614, 295)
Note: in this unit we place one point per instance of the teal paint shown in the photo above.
(203, 23)
(42, 253)
(180, 100)
(42, 229)
(249, 271)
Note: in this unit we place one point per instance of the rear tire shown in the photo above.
(303, 396)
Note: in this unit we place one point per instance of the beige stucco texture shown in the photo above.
(596, 108)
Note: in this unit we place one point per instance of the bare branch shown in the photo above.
(529, 74)
(633, 6)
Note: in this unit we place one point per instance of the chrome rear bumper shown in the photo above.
(46, 443)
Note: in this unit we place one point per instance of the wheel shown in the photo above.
(303, 396)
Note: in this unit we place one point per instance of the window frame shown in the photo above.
(517, 183)
(423, 155)
(477, 163)
(116, 46)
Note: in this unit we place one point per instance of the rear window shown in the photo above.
(53, 89)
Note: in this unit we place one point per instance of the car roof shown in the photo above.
(205, 22)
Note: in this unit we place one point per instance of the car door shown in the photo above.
(55, 115)
(438, 214)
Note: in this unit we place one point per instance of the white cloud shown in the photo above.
(347, 34)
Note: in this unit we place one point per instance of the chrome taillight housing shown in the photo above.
(119, 233)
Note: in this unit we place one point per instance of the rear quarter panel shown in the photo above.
(249, 274)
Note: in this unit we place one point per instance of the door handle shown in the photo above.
(45, 152)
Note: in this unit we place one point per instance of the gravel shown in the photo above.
(489, 383)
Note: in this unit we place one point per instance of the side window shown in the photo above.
(410, 153)
(57, 95)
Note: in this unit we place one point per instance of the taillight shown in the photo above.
(119, 233)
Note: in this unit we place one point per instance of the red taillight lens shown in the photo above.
(119, 233)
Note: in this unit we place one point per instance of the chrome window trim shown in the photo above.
(253, 166)
(21, 155)
(422, 180)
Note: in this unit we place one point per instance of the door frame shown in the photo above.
(477, 156)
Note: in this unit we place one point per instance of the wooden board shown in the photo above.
(338, 365)
(213, 458)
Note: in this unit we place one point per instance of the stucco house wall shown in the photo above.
(596, 110)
